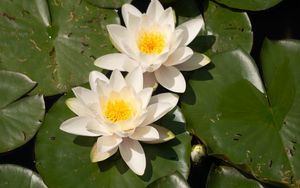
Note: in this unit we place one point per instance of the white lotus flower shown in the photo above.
(120, 113)
(151, 41)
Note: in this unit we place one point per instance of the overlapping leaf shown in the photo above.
(13, 176)
(174, 180)
(53, 42)
(20, 118)
(232, 29)
(228, 177)
(227, 107)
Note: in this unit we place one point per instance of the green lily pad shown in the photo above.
(12, 176)
(53, 42)
(228, 177)
(232, 29)
(227, 107)
(63, 159)
(20, 117)
(254, 5)
(109, 3)
(174, 180)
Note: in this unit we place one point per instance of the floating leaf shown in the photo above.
(53, 42)
(228, 177)
(55, 149)
(250, 4)
(227, 107)
(232, 29)
(174, 180)
(13, 176)
(109, 3)
(20, 118)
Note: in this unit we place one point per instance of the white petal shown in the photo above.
(145, 96)
(129, 9)
(97, 128)
(171, 78)
(135, 79)
(118, 34)
(155, 112)
(133, 155)
(196, 61)
(146, 133)
(77, 126)
(168, 18)
(116, 61)
(179, 56)
(170, 98)
(94, 76)
(150, 80)
(155, 10)
(177, 39)
(96, 156)
(79, 108)
(87, 96)
(117, 81)
(134, 23)
(164, 135)
(191, 29)
(107, 143)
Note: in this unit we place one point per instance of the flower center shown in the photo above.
(117, 110)
(152, 42)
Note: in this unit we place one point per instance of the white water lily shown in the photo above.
(120, 112)
(151, 41)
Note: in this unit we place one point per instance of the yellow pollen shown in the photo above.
(151, 42)
(117, 110)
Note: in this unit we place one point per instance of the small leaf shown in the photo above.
(13, 176)
(20, 118)
(228, 177)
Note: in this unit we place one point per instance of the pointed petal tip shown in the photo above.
(165, 135)
(206, 60)
(96, 156)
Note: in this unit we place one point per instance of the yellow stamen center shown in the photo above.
(117, 110)
(151, 42)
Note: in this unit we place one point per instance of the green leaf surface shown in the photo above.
(109, 3)
(13, 176)
(13, 86)
(254, 5)
(174, 180)
(20, 118)
(228, 177)
(232, 29)
(227, 107)
(63, 159)
(53, 42)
